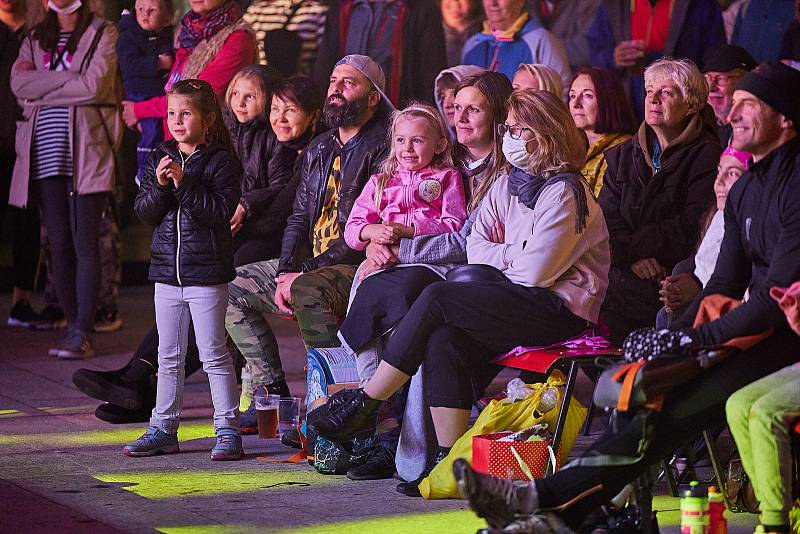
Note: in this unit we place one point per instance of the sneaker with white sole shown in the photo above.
(22, 314)
(50, 318)
(74, 346)
(228, 446)
(153, 441)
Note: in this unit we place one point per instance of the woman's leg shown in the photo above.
(52, 193)
(172, 321)
(85, 219)
(207, 306)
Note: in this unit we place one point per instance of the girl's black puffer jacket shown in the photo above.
(192, 244)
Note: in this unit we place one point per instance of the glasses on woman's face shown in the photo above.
(721, 80)
(514, 131)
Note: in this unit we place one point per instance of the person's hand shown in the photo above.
(627, 54)
(165, 61)
(174, 173)
(406, 232)
(380, 254)
(128, 115)
(24, 65)
(369, 267)
(382, 234)
(497, 233)
(238, 219)
(161, 170)
(648, 269)
(283, 292)
(678, 290)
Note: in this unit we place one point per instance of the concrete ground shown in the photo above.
(62, 471)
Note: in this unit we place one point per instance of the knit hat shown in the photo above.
(743, 157)
(776, 85)
(374, 73)
(724, 58)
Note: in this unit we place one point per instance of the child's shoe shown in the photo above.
(153, 441)
(229, 445)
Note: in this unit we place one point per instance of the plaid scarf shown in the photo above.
(196, 27)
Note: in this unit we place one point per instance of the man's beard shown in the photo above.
(344, 115)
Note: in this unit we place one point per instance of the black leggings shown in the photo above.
(688, 410)
(72, 224)
(457, 328)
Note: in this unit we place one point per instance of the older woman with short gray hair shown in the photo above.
(657, 188)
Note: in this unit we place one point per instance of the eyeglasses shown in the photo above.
(514, 131)
(721, 80)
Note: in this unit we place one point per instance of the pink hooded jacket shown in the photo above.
(430, 200)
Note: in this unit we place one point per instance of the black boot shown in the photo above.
(412, 488)
(111, 413)
(356, 418)
(127, 388)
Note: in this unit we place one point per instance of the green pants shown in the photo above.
(319, 299)
(760, 416)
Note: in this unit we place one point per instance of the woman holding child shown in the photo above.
(554, 279)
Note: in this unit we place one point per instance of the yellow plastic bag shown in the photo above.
(497, 417)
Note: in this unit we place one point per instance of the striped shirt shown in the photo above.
(308, 21)
(51, 154)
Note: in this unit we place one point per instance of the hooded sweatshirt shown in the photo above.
(459, 72)
(654, 199)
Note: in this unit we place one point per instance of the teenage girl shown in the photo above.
(190, 189)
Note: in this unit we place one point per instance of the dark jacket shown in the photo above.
(267, 169)
(192, 244)
(658, 215)
(361, 158)
(9, 108)
(422, 53)
(760, 250)
(138, 52)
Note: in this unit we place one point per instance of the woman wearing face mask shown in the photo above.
(553, 285)
(66, 78)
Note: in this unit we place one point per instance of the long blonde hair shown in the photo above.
(416, 110)
(560, 146)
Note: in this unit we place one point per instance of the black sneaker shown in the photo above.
(375, 463)
(51, 318)
(498, 500)
(107, 321)
(22, 314)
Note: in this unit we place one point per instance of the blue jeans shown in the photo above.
(206, 306)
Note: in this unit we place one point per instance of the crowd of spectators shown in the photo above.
(424, 184)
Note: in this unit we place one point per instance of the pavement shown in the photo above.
(62, 470)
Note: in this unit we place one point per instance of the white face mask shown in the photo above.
(70, 9)
(516, 151)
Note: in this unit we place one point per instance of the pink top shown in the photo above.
(430, 200)
(789, 301)
(237, 52)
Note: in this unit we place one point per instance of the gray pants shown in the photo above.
(206, 307)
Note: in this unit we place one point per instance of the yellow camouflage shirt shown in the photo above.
(326, 230)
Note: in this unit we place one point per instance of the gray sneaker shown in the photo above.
(75, 346)
(229, 445)
(153, 441)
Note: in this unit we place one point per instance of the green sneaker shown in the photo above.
(153, 441)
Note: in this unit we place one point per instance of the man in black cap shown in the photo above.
(723, 67)
(760, 250)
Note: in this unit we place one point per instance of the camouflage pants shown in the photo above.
(319, 299)
(110, 249)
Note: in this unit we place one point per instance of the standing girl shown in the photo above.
(66, 78)
(189, 191)
(418, 190)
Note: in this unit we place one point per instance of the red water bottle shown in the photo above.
(716, 510)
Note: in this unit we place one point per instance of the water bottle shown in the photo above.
(716, 510)
(694, 510)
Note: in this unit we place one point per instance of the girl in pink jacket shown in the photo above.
(418, 190)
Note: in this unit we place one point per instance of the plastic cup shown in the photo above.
(266, 414)
(288, 414)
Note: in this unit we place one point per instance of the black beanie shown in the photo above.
(778, 86)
